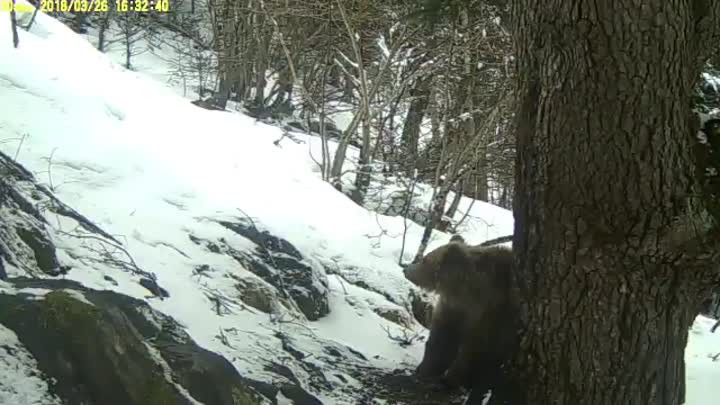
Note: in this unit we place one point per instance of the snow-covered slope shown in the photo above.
(160, 174)
(152, 170)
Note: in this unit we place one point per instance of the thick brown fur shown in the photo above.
(473, 325)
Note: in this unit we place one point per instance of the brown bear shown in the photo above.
(473, 327)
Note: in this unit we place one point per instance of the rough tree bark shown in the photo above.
(610, 276)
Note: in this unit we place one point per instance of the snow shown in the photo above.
(20, 380)
(77, 295)
(703, 363)
(129, 152)
(35, 293)
(151, 168)
(353, 306)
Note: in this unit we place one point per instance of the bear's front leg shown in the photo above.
(442, 346)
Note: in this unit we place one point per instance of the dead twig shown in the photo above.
(406, 339)
(223, 339)
(130, 264)
(22, 140)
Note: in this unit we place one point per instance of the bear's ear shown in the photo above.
(457, 238)
(456, 257)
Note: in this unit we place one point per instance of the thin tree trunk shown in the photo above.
(261, 61)
(78, 22)
(102, 30)
(380, 137)
(325, 165)
(225, 44)
(32, 19)
(364, 169)
(387, 144)
(420, 96)
(282, 101)
(347, 90)
(455, 203)
(504, 198)
(362, 178)
(368, 93)
(128, 49)
(436, 213)
(13, 25)
(435, 124)
(480, 176)
(607, 284)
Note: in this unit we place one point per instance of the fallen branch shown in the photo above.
(497, 241)
(130, 264)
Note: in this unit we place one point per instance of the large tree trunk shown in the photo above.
(607, 290)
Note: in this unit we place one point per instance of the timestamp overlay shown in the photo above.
(88, 6)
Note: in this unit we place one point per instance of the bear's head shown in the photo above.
(444, 267)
